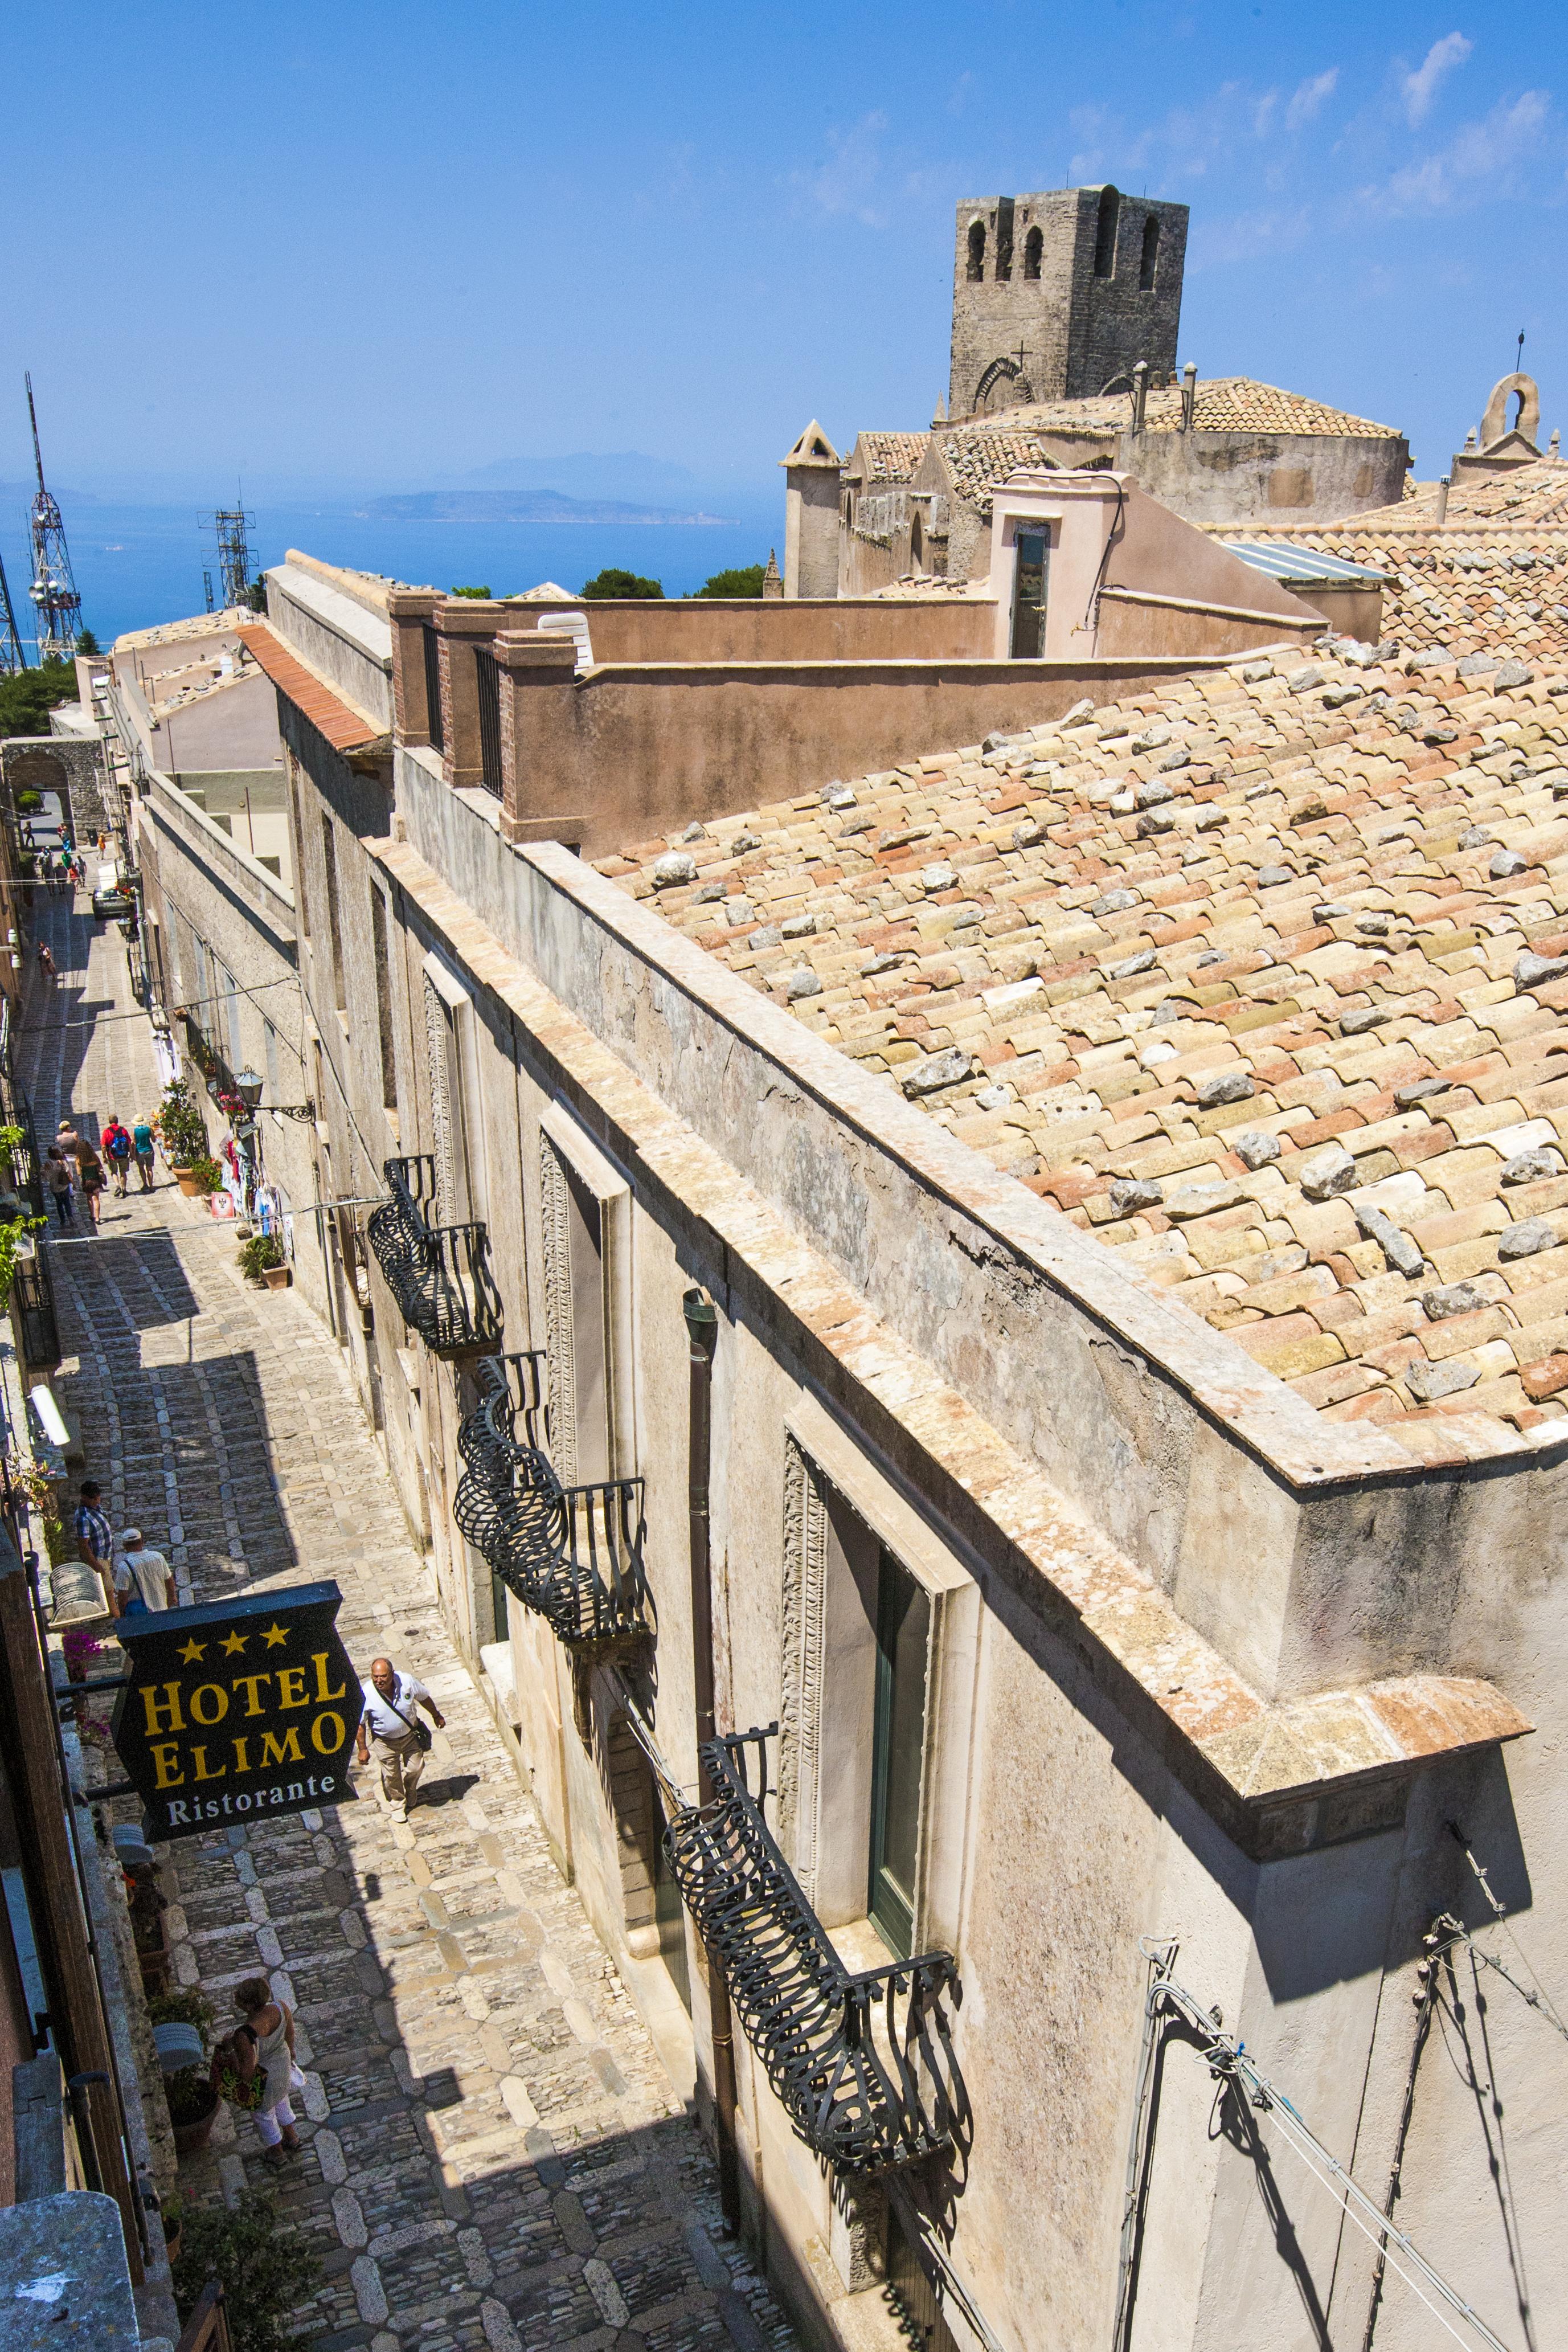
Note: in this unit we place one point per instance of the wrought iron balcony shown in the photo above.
(439, 1275)
(862, 2062)
(574, 1553)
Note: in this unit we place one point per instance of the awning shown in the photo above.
(1303, 567)
(346, 728)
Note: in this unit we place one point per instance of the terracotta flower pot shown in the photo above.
(277, 1277)
(173, 2231)
(185, 1178)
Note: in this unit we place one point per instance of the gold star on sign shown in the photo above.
(233, 1642)
(275, 1633)
(192, 1651)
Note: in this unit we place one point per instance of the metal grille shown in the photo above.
(487, 678)
(439, 1275)
(862, 2062)
(572, 1553)
(432, 726)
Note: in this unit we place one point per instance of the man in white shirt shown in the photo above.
(144, 1579)
(391, 1719)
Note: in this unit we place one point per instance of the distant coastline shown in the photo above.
(529, 507)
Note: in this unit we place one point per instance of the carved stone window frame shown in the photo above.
(823, 1456)
(564, 1144)
(456, 1123)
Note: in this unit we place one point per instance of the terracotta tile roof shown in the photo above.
(1261, 979)
(346, 728)
(1225, 403)
(1525, 496)
(891, 456)
(980, 456)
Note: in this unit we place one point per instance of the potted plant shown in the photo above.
(204, 1176)
(261, 1259)
(172, 2214)
(81, 1650)
(268, 2274)
(193, 2107)
(181, 1129)
(151, 1938)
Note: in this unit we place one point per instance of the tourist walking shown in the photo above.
(92, 1176)
(61, 1182)
(95, 1538)
(263, 2045)
(47, 962)
(391, 1718)
(143, 1580)
(141, 1139)
(116, 1146)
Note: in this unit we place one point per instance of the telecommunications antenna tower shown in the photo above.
(231, 523)
(12, 657)
(55, 604)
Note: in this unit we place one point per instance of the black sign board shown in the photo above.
(237, 1711)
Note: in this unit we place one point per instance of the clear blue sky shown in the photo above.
(342, 244)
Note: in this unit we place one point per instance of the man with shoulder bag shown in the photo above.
(391, 1720)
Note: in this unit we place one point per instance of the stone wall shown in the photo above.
(70, 764)
(1077, 329)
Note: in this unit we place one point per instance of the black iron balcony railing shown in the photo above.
(862, 2062)
(439, 1275)
(574, 1553)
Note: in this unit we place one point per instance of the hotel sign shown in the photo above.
(237, 1711)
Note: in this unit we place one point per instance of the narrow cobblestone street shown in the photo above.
(494, 2154)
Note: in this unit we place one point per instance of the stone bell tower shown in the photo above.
(1054, 296)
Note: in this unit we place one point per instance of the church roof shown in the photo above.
(1529, 494)
(1224, 403)
(979, 456)
(890, 456)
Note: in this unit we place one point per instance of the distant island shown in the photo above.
(522, 505)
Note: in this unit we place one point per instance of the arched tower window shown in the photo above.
(1151, 254)
(1033, 247)
(1105, 234)
(977, 249)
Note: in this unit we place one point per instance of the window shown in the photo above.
(1031, 586)
(1033, 247)
(1105, 233)
(432, 726)
(1004, 237)
(487, 679)
(977, 250)
(898, 1740)
(269, 1049)
(230, 995)
(383, 1001)
(1151, 254)
(330, 859)
(585, 1228)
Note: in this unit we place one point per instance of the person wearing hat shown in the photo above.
(143, 1580)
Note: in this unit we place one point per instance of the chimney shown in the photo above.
(1139, 392)
(1442, 509)
(1188, 394)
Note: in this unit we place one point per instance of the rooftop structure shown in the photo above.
(1259, 978)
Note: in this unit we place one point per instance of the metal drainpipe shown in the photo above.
(702, 1330)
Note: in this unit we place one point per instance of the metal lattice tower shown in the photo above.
(55, 604)
(231, 524)
(12, 657)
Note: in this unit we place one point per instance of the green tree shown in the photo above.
(483, 594)
(87, 643)
(255, 595)
(613, 582)
(27, 696)
(741, 580)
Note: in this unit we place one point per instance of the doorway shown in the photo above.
(1032, 587)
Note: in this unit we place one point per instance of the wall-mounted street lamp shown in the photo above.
(249, 1086)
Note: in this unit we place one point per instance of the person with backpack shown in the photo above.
(254, 2069)
(117, 1144)
(142, 1142)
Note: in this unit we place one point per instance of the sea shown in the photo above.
(137, 565)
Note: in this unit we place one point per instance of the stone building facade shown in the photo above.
(1122, 1662)
(1056, 295)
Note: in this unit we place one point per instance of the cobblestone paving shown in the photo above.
(494, 2156)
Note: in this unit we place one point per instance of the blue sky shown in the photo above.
(345, 246)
